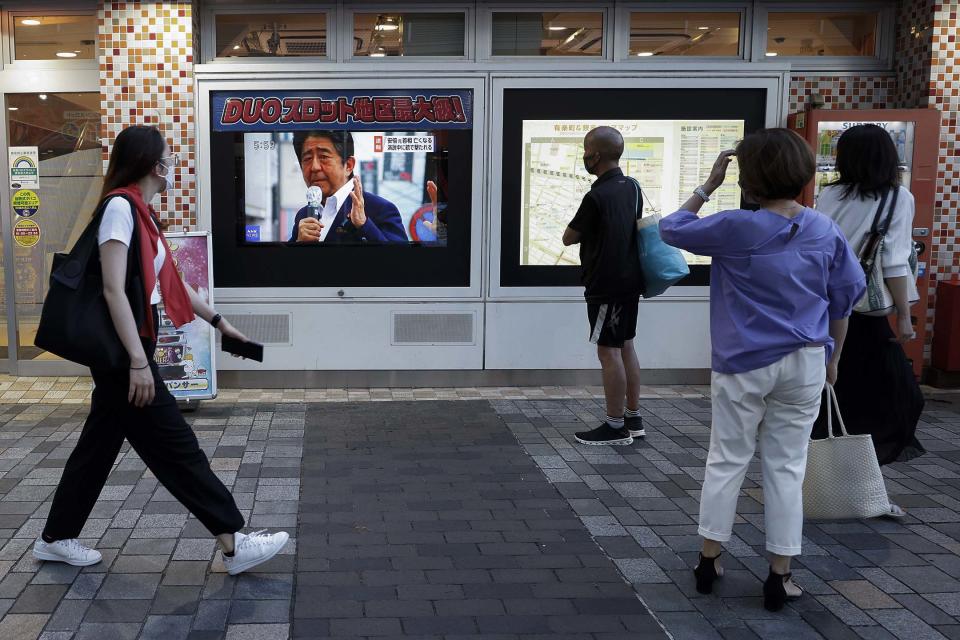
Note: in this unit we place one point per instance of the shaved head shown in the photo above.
(606, 141)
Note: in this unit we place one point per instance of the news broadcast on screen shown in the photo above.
(367, 169)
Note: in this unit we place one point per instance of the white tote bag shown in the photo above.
(843, 479)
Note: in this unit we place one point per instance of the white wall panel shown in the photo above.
(554, 335)
(356, 336)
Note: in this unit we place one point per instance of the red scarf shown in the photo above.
(176, 300)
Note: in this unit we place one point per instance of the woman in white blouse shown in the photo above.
(877, 390)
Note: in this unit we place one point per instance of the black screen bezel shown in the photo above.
(749, 105)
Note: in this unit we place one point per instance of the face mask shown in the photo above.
(167, 178)
(588, 166)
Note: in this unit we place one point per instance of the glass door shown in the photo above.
(55, 172)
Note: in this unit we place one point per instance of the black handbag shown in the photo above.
(75, 323)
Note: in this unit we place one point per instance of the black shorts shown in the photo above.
(613, 323)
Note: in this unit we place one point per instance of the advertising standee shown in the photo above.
(185, 356)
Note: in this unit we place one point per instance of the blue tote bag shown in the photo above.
(662, 265)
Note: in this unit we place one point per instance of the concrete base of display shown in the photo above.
(441, 379)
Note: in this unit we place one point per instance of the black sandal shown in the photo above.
(706, 573)
(774, 593)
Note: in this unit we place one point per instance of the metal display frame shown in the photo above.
(291, 81)
(775, 80)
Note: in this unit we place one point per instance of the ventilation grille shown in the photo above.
(263, 328)
(433, 328)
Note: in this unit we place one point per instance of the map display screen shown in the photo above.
(669, 158)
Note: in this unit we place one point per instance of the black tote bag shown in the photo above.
(75, 323)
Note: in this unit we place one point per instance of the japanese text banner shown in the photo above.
(373, 111)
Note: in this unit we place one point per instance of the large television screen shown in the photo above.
(341, 179)
(669, 158)
(330, 188)
(671, 140)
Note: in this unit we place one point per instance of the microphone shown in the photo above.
(314, 201)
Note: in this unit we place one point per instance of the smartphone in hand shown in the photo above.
(249, 350)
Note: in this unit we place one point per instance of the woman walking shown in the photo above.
(135, 404)
(876, 388)
(783, 282)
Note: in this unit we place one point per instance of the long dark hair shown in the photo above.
(136, 151)
(867, 162)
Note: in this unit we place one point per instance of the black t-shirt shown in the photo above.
(607, 222)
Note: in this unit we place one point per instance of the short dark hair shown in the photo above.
(607, 141)
(867, 161)
(342, 142)
(775, 164)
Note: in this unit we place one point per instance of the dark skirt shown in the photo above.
(877, 391)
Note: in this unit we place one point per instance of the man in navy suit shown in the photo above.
(347, 213)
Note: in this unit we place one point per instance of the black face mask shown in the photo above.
(589, 167)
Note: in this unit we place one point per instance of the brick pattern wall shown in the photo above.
(943, 93)
(913, 52)
(146, 77)
(843, 92)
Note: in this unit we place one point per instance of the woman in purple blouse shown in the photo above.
(783, 282)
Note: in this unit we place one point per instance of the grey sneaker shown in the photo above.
(69, 551)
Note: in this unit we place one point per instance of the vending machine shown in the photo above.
(916, 134)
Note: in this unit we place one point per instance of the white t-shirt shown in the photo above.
(854, 216)
(117, 224)
(332, 207)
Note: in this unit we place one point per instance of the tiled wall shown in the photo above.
(914, 42)
(942, 93)
(843, 92)
(146, 77)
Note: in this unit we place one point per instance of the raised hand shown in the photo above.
(358, 216)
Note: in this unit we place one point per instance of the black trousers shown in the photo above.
(162, 439)
(877, 391)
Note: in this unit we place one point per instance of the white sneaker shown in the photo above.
(251, 550)
(69, 551)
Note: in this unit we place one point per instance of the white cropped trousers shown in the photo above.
(778, 403)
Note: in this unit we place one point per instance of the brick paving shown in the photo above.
(471, 518)
(426, 519)
(871, 579)
(160, 576)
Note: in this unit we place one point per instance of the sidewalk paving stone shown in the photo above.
(444, 517)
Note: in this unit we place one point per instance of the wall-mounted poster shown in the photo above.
(669, 158)
(185, 356)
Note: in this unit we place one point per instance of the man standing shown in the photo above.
(347, 214)
(605, 227)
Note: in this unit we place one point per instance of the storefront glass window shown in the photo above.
(54, 139)
(846, 33)
(271, 35)
(684, 34)
(378, 35)
(525, 33)
(55, 37)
